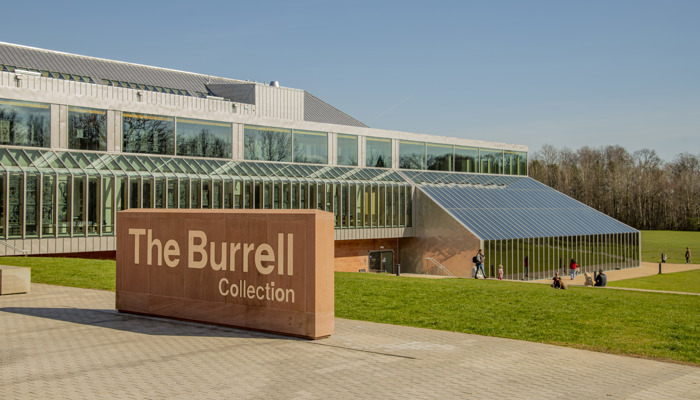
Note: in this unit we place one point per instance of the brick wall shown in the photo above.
(352, 255)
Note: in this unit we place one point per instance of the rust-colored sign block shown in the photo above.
(267, 270)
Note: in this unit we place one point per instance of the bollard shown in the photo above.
(398, 269)
(659, 268)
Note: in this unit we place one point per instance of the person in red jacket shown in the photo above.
(573, 267)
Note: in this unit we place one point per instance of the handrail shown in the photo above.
(15, 248)
(441, 267)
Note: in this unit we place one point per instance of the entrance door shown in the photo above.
(381, 261)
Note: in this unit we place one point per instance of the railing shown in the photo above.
(15, 248)
(441, 267)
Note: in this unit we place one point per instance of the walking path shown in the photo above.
(646, 269)
(67, 343)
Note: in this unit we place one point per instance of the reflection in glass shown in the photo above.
(48, 200)
(25, 124)
(267, 144)
(378, 152)
(200, 138)
(466, 159)
(31, 227)
(310, 147)
(515, 163)
(439, 157)
(347, 149)
(491, 161)
(152, 134)
(87, 129)
(411, 155)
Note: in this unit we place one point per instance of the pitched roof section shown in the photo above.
(317, 110)
(102, 70)
(511, 207)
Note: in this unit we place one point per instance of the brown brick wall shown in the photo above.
(352, 255)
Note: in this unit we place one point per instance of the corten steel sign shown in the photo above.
(269, 270)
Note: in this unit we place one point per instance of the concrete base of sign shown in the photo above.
(14, 280)
(267, 270)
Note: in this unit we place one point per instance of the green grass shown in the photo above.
(660, 326)
(687, 281)
(672, 243)
(75, 272)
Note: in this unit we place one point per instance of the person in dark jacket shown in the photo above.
(601, 279)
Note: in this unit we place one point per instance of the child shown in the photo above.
(500, 272)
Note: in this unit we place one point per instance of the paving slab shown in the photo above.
(67, 343)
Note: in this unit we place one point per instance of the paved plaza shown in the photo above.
(66, 343)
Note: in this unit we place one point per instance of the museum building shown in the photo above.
(82, 138)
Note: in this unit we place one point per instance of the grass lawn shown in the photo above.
(672, 243)
(75, 272)
(687, 281)
(661, 326)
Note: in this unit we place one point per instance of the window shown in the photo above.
(267, 144)
(347, 150)
(491, 161)
(87, 129)
(25, 124)
(515, 163)
(439, 157)
(310, 147)
(152, 134)
(378, 152)
(466, 159)
(411, 155)
(203, 138)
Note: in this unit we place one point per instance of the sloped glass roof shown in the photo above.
(508, 207)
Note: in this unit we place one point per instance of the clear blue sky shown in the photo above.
(560, 72)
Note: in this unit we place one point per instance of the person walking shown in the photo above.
(687, 255)
(479, 259)
(527, 266)
(573, 267)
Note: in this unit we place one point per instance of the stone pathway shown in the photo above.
(66, 343)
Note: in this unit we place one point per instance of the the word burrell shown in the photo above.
(219, 256)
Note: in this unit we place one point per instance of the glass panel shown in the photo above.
(2, 205)
(32, 210)
(358, 206)
(367, 204)
(336, 204)
(15, 214)
(466, 159)
(87, 129)
(134, 193)
(238, 194)
(172, 193)
(409, 206)
(345, 206)
(195, 193)
(78, 205)
(491, 161)
(216, 195)
(93, 218)
(285, 195)
(107, 207)
(378, 152)
(25, 124)
(248, 195)
(121, 193)
(204, 138)
(144, 133)
(206, 194)
(411, 155)
(514, 163)
(310, 147)
(347, 149)
(184, 194)
(267, 144)
(375, 206)
(62, 205)
(295, 195)
(395, 204)
(439, 157)
(401, 204)
(147, 190)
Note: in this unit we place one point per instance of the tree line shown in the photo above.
(638, 189)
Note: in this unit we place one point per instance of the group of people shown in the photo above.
(688, 255)
(600, 280)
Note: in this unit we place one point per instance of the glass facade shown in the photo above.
(347, 149)
(54, 194)
(466, 159)
(24, 123)
(199, 138)
(514, 162)
(267, 143)
(310, 147)
(87, 129)
(378, 151)
(491, 161)
(439, 157)
(411, 155)
(143, 133)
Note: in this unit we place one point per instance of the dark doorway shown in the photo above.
(381, 261)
